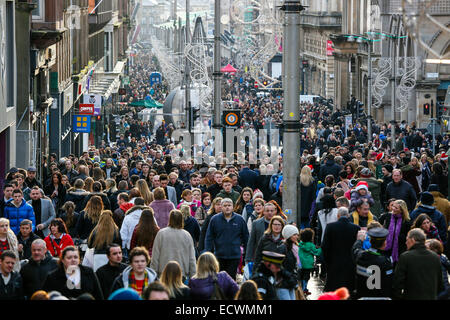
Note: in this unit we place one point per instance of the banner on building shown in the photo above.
(96, 100)
(81, 123)
(86, 109)
(330, 48)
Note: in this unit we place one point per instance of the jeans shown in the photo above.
(230, 266)
(286, 294)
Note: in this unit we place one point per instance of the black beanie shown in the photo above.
(427, 198)
(433, 187)
(388, 167)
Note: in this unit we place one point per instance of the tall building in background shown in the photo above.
(8, 87)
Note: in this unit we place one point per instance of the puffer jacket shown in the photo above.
(14, 289)
(17, 215)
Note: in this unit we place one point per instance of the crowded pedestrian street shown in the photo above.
(230, 150)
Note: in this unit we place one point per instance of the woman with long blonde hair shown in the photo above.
(9, 241)
(308, 187)
(398, 223)
(173, 279)
(143, 188)
(105, 233)
(207, 274)
(89, 217)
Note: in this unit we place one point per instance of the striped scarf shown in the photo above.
(133, 284)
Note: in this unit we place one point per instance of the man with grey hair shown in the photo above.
(35, 270)
(227, 232)
(337, 246)
(418, 274)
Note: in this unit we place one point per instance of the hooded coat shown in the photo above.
(437, 218)
(123, 280)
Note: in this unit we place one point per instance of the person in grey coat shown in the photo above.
(258, 227)
(44, 211)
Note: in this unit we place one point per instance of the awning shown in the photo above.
(107, 83)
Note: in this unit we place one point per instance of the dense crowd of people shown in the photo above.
(126, 221)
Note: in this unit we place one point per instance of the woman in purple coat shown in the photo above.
(161, 207)
(202, 283)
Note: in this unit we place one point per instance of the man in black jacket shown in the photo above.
(111, 270)
(25, 238)
(337, 246)
(418, 274)
(10, 281)
(400, 189)
(36, 269)
(330, 167)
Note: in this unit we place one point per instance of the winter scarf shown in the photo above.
(433, 233)
(356, 218)
(394, 228)
(133, 284)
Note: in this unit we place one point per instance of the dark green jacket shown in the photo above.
(233, 195)
(418, 275)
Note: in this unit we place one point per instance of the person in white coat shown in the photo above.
(130, 221)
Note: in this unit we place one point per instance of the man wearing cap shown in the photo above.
(426, 206)
(370, 281)
(268, 274)
(381, 160)
(31, 180)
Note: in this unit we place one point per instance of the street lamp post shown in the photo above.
(369, 91)
(291, 110)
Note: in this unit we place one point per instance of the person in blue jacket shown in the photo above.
(227, 232)
(17, 210)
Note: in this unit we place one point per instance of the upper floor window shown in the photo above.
(38, 14)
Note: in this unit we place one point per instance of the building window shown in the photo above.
(39, 13)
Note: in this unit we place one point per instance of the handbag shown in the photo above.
(217, 293)
(88, 260)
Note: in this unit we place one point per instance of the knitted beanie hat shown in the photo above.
(289, 230)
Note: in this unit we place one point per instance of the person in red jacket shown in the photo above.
(58, 238)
